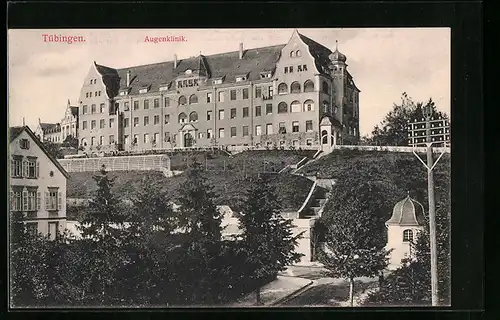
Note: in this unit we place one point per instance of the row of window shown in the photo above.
(96, 94)
(53, 227)
(300, 68)
(27, 199)
(102, 124)
(282, 129)
(93, 109)
(24, 168)
(100, 142)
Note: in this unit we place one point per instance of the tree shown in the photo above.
(267, 236)
(70, 142)
(352, 247)
(53, 149)
(104, 232)
(392, 131)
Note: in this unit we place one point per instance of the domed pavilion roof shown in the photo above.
(407, 212)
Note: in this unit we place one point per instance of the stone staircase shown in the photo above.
(315, 204)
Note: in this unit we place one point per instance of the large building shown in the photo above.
(295, 94)
(37, 183)
(58, 132)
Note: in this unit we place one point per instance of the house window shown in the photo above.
(326, 107)
(93, 124)
(221, 96)
(182, 100)
(221, 114)
(245, 112)
(290, 69)
(193, 99)
(156, 138)
(258, 92)
(299, 69)
(200, 135)
(269, 128)
(146, 138)
(166, 136)
(156, 120)
(136, 121)
(126, 106)
(309, 142)
(282, 107)
(209, 97)
(233, 113)
(309, 126)
(90, 94)
(407, 235)
(92, 141)
(16, 167)
(292, 54)
(16, 199)
(126, 122)
(233, 95)
(258, 130)
(295, 87)
(111, 123)
(308, 86)
(245, 93)
(31, 197)
(295, 106)
(304, 67)
(24, 144)
(182, 117)
(282, 88)
(146, 120)
(53, 200)
(308, 105)
(326, 87)
(270, 91)
(209, 133)
(53, 228)
(209, 115)
(84, 110)
(102, 106)
(99, 93)
(295, 143)
(297, 54)
(126, 139)
(101, 140)
(221, 133)
(269, 108)
(156, 103)
(84, 125)
(193, 116)
(136, 139)
(86, 95)
(146, 104)
(233, 132)
(167, 118)
(245, 131)
(295, 126)
(31, 228)
(93, 109)
(167, 102)
(102, 124)
(286, 69)
(111, 139)
(282, 128)
(258, 111)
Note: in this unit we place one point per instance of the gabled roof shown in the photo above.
(318, 51)
(47, 126)
(16, 131)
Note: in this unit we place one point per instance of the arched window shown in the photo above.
(308, 105)
(297, 53)
(295, 106)
(282, 88)
(282, 107)
(193, 116)
(326, 107)
(193, 99)
(295, 87)
(326, 89)
(292, 54)
(308, 86)
(324, 137)
(407, 235)
(182, 100)
(182, 117)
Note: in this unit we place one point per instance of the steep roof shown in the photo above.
(50, 127)
(319, 52)
(407, 212)
(16, 131)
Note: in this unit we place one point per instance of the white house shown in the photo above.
(37, 183)
(402, 228)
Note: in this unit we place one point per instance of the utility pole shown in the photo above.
(427, 132)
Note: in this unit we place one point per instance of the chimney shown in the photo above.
(128, 78)
(241, 50)
(175, 61)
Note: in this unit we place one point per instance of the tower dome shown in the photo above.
(407, 212)
(337, 56)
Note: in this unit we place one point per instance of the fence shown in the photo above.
(123, 163)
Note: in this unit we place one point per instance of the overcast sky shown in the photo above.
(384, 62)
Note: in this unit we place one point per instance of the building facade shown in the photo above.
(58, 132)
(48, 132)
(296, 94)
(406, 222)
(37, 184)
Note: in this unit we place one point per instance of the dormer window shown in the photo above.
(218, 80)
(188, 71)
(239, 79)
(144, 89)
(124, 92)
(164, 87)
(266, 74)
